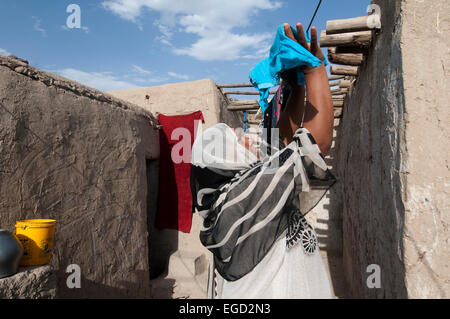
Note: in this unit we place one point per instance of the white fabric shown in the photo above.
(284, 273)
(218, 147)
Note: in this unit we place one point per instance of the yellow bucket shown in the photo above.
(36, 236)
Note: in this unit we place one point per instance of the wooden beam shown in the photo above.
(344, 70)
(335, 77)
(345, 58)
(339, 91)
(233, 86)
(353, 24)
(338, 111)
(338, 97)
(360, 39)
(345, 84)
(334, 83)
(242, 107)
(244, 102)
(338, 103)
(245, 92)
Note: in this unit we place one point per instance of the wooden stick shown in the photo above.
(338, 112)
(338, 103)
(242, 107)
(362, 38)
(338, 97)
(344, 70)
(232, 86)
(245, 102)
(335, 77)
(345, 58)
(339, 91)
(345, 83)
(353, 24)
(245, 92)
(334, 83)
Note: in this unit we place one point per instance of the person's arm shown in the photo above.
(318, 115)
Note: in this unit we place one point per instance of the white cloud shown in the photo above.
(103, 81)
(213, 21)
(4, 52)
(140, 70)
(178, 76)
(37, 27)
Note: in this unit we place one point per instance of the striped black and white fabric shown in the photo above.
(246, 204)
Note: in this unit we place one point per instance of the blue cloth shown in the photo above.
(285, 54)
(246, 126)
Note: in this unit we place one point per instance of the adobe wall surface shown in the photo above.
(186, 97)
(426, 70)
(371, 166)
(393, 157)
(77, 155)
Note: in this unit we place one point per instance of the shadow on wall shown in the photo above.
(100, 290)
(161, 243)
(329, 230)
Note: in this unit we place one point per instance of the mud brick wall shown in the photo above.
(78, 155)
(393, 148)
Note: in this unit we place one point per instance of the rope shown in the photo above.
(317, 9)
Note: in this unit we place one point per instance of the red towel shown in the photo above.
(175, 199)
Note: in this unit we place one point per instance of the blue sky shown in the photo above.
(134, 43)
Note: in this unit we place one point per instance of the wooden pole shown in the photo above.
(242, 107)
(338, 103)
(244, 102)
(232, 86)
(345, 58)
(245, 92)
(345, 83)
(334, 83)
(353, 24)
(335, 77)
(360, 39)
(338, 112)
(344, 70)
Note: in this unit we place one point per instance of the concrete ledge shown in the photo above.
(30, 283)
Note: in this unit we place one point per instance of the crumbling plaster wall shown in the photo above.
(393, 156)
(77, 155)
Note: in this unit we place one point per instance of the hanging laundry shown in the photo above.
(175, 199)
(246, 126)
(285, 54)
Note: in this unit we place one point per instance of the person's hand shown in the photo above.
(312, 47)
